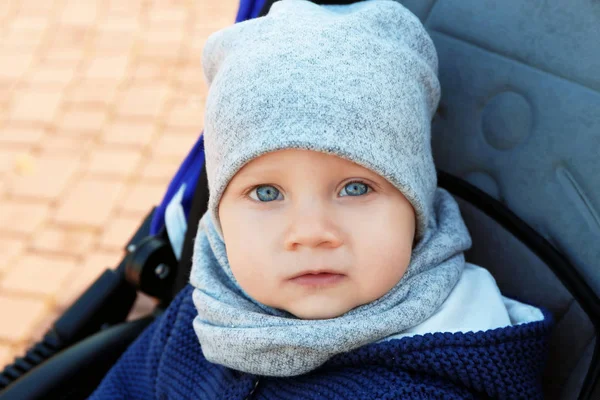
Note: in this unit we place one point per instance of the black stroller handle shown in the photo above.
(149, 265)
(107, 301)
(47, 381)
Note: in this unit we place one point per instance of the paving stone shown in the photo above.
(9, 249)
(118, 43)
(148, 72)
(7, 159)
(35, 7)
(62, 56)
(107, 67)
(102, 79)
(85, 274)
(70, 37)
(29, 23)
(14, 66)
(170, 16)
(141, 197)
(52, 76)
(45, 179)
(22, 164)
(89, 202)
(18, 136)
(175, 145)
(117, 232)
(196, 45)
(18, 217)
(59, 240)
(20, 348)
(143, 101)
(26, 24)
(19, 315)
(35, 107)
(160, 51)
(6, 356)
(160, 171)
(187, 114)
(220, 19)
(203, 29)
(123, 24)
(80, 13)
(92, 94)
(164, 34)
(191, 79)
(82, 122)
(5, 9)
(132, 133)
(39, 275)
(25, 27)
(25, 44)
(58, 144)
(7, 88)
(41, 86)
(41, 327)
(123, 8)
(113, 161)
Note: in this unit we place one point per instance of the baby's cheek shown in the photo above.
(387, 266)
(241, 266)
(392, 270)
(249, 270)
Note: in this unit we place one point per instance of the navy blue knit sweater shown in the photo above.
(166, 362)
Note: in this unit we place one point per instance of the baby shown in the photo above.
(329, 264)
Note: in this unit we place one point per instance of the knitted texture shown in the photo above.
(166, 362)
(358, 81)
(241, 333)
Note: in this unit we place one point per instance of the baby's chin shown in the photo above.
(319, 310)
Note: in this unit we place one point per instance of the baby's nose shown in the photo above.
(314, 229)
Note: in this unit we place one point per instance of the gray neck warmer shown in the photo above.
(357, 81)
(236, 331)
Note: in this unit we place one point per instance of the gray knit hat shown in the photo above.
(358, 81)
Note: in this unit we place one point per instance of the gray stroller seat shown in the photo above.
(520, 119)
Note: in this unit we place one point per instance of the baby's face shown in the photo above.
(295, 211)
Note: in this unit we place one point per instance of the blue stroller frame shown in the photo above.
(516, 139)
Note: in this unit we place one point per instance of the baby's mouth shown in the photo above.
(318, 279)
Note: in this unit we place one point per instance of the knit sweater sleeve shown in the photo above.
(134, 374)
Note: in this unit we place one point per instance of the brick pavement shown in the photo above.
(100, 101)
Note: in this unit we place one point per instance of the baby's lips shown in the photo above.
(317, 272)
(323, 279)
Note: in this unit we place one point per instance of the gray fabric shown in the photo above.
(540, 62)
(538, 169)
(520, 111)
(506, 258)
(358, 81)
(571, 389)
(569, 341)
(236, 331)
(519, 117)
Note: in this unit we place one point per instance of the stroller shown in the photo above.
(516, 77)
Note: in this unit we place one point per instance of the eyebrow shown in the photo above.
(262, 170)
(257, 175)
(272, 171)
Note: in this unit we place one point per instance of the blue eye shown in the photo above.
(266, 193)
(354, 189)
